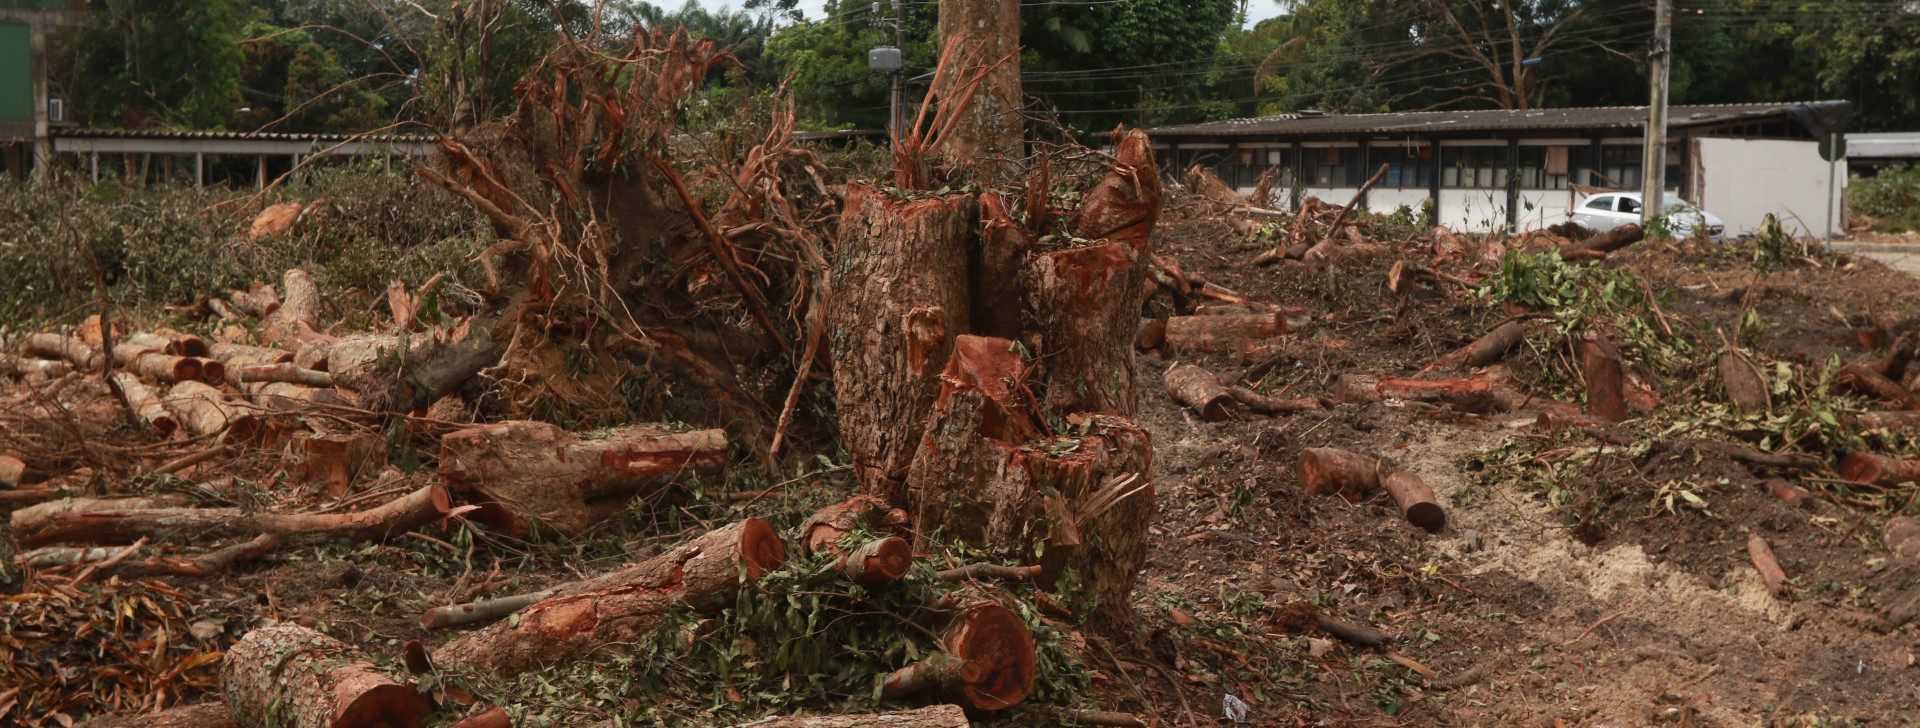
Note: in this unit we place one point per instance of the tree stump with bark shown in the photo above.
(291, 676)
(524, 472)
(1083, 312)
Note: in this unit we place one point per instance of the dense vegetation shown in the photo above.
(332, 64)
(1888, 202)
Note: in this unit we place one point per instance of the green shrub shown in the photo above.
(1891, 200)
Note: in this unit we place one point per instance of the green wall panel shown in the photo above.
(16, 73)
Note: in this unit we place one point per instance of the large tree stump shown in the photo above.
(600, 617)
(989, 663)
(900, 296)
(534, 472)
(290, 676)
(1124, 205)
(1083, 311)
(932, 716)
(999, 296)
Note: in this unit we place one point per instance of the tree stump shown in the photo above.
(291, 676)
(1124, 205)
(526, 472)
(900, 294)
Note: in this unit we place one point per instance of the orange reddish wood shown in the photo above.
(1329, 471)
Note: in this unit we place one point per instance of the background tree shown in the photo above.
(153, 63)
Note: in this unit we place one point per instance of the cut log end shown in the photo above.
(1416, 501)
(1869, 468)
(385, 706)
(995, 639)
(1201, 390)
(878, 562)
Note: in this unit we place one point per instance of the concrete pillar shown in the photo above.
(199, 170)
(93, 166)
(42, 128)
(260, 176)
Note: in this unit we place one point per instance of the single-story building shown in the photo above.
(1868, 153)
(1483, 170)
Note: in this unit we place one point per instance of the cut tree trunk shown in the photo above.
(1201, 390)
(823, 530)
(205, 411)
(146, 403)
(1416, 501)
(900, 296)
(11, 365)
(290, 676)
(204, 715)
(300, 306)
(980, 33)
(286, 373)
(1273, 405)
(1606, 380)
(1866, 467)
(1767, 565)
(1003, 254)
(1746, 389)
(1483, 392)
(1488, 349)
(1604, 243)
(1332, 471)
(1124, 205)
(601, 617)
(932, 716)
(1082, 315)
(431, 367)
(486, 610)
(878, 562)
(86, 520)
(989, 663)
(156, 363)
(65, 348)
(1865, 377)
(525, 472)
(207, 564)
(258, 354)
(1222, 334)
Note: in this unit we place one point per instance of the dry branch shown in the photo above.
(1274, 405)
(204, 715)
(932, 716)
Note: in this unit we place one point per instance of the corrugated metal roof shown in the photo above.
(84, 133)
(1884, 146)
(1430, 122)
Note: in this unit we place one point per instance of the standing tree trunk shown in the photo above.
(290, 676)
(985, 31)
(900, 296)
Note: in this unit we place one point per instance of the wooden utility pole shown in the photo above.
(1653, 165)
(987, 31)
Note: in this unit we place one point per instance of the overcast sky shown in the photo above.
(1257, 10)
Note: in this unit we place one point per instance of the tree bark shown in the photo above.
(1488, 349)
(1480, 393)
(1767, 565)
(1201, 390)
(146, 404)
(390, 379)
(11, 471)
(1332, 471)
(11, 365)
(156, 363)
(1222, 334)
(878, 562)
(285, 373)
(485, 610)
(1865, 377)
(86, 520)
(65, 348)
(207, 564)
(528, 472)
(1604, 243)
(1606, 380)
(900, 296)
(256, 354)
(1866, 467)
(204, 715)
(823, 530)
(1745, 387)
(600, 617)
(288, 675)
(205, 411)
(1902, 536)
(1083, 313)
(1005, 250)
(982, 32)
(989, 663)
(1274, 405)
(1416, 501)
(1908, 421)
(259, 301)
(300, 306)
(1152, 334)
(1124, 205)
(932, 716)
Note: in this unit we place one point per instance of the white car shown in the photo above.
(1609, 210)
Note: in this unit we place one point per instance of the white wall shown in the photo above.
(1336, 196)
(1473, 210)
(1549, 207)
(1385, 201)
(1741, 180)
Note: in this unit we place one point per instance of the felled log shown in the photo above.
(493, 717)
(1416, 501)
(171, 342)
(156, 363)
(599, 617)
(1331, 471)
(1746, 389)
(283, 397)
(1487, 349)
(932, 716)
(207, 564)
(313, 355)
(1866, 467)
(286, 373)
(526, 472)
(971, 572)
(1865, 377)
(485, 610)
(204, 715)
(826, 527)
(392, 373)
(900, 297)
(878, 562)
(1273, 405)
(1478, 393)
(1151, 334)
(205, 411)
(300, 304)
(1606, 378)
(1765, 563)
(1201, 390)
(1604, 243)
(146, 403)
(1904, 421)
(259, 301)
(989, 663)
(11, 471)
(1303, 617)
(1195, 334)
(227, 352)
(64, 348)
(87, 520)
(11, 365)
(1082, 316)
(291, 676)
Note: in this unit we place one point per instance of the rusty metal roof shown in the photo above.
(1442, 122)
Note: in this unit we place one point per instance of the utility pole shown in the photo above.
(900, 42)
(1653, 164)
(891, 60)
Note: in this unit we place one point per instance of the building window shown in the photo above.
(1407, 167)
(1473, 167)
(1620, 165)
(1549, 168)
(1333, 166)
